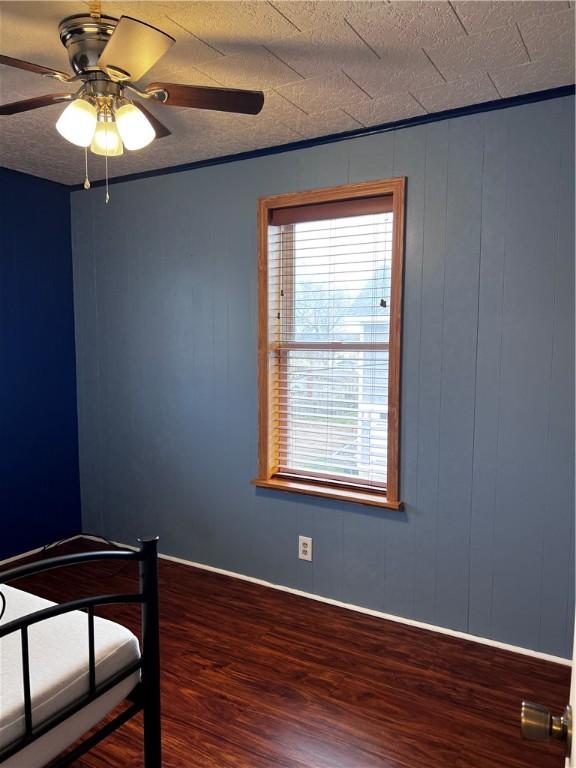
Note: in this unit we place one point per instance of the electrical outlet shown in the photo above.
(304, 547)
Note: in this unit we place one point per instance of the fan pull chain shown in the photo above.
(106, 161)
(86, 179)
(107, 195)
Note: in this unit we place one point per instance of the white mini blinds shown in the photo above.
(329, 296)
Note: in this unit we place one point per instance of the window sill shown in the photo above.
(368, 498)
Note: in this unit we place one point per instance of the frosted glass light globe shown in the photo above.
(107, 140)
(134, 127)
(78, 122)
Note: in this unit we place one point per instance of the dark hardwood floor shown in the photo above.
(255, 678)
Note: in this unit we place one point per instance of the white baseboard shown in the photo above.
(21, 556)
(368, 611)
(30, 552)
(377, 614)
(339, 604)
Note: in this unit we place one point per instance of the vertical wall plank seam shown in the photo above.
(569, 612)
(448, 154)
(419, 387)
(473, 457)
(349, 152)
(499, 398)
(549, 403)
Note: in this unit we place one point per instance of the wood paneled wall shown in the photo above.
(165, 292)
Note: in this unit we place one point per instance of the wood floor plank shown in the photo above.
(256, 678)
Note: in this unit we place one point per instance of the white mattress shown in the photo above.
(58, 675)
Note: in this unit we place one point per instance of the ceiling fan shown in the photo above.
(108, 56)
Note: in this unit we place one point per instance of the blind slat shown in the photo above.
(339, 259)
(340, 229)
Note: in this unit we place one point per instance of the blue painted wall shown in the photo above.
(166, 307)
(39, 482)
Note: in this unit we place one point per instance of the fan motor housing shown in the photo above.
(85, 38)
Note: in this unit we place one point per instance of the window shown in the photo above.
(330, 293)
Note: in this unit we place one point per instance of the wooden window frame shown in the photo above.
(267, 452)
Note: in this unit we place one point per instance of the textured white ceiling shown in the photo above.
(326, 67)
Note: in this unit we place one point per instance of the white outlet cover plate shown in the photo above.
(305, 548)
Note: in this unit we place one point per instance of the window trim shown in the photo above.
(266, 452)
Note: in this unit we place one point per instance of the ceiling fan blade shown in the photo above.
(133, 49)
(38, 101)
(37, 68)
(159, 128)
(205, 97)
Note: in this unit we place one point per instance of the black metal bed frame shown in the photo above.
(145, 696)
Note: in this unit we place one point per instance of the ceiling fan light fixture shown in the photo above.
(108, 56)
(134, 127)
(77, 123)
(107, 141)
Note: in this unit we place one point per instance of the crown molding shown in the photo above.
(473, 109)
